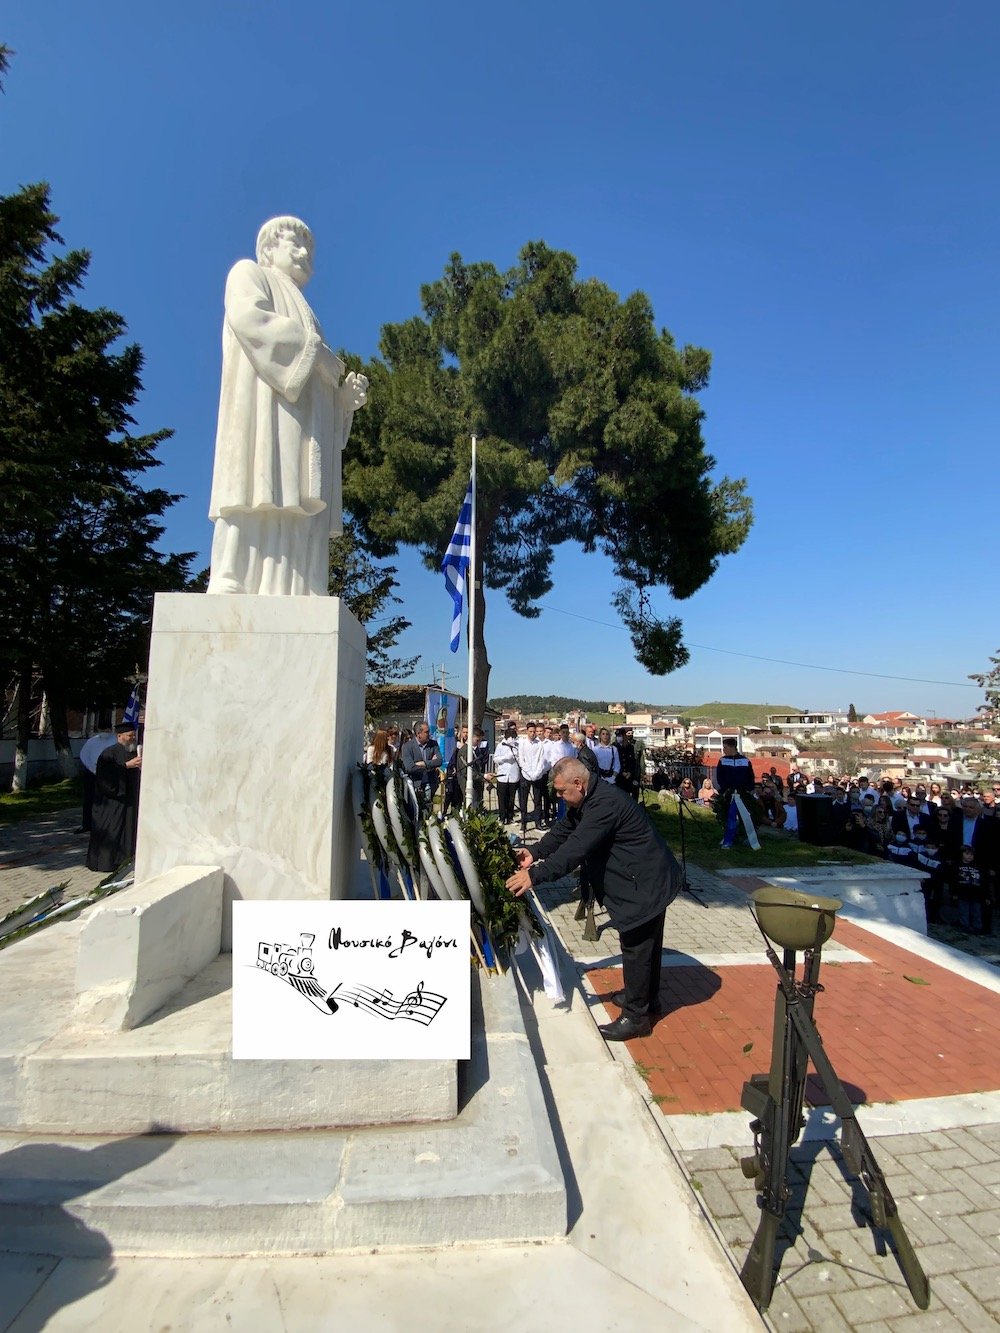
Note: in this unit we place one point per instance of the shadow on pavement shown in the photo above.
(36, 1181)
(803, 1160)
(529, 983)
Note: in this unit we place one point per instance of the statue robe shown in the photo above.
(276, 489)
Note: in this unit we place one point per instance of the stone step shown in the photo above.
(176, 1071)
(491, 1174)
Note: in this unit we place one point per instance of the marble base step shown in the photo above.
(175, 1072)
(492, 1174)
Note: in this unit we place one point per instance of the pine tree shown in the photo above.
(369, 590)
(78, 532)
(589, 432)
(990, 683)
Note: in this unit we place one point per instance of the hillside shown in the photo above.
(744, 715)
(543, 704)
(740, 715)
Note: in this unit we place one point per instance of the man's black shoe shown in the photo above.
(618, 1000)
(624, 1029)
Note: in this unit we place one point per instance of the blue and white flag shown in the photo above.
(131, 713)
(455, 565)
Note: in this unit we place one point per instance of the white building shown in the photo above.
(807, 723)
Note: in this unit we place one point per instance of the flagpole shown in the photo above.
(472, 634)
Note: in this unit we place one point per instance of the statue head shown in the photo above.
(286, 243)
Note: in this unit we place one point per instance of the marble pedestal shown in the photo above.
(254, 725)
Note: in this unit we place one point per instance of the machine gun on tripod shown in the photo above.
(797, 921)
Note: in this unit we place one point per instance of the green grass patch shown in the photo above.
(16, 806)
(703, 833)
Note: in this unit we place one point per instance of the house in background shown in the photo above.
(896, 726)
(710, 739)
(877, 759)
(806, 723)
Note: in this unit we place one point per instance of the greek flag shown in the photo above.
(455, 565)
(131, 713)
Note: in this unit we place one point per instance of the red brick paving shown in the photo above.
(890, 1038)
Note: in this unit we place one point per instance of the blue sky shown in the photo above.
(811, 192)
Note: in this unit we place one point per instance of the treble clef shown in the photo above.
(415, 998)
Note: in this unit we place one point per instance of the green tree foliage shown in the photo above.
(846, 749)
(589, 431)
(369, 590)
(852, 714)
(78, 533)
(989, 682)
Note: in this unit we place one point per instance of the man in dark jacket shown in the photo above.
(421, 761)
(633, 873)
(910, 817)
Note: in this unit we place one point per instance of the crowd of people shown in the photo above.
(519, 768)
(583, 789)
(952, 837)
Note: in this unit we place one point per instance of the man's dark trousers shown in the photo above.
(537, 788)
(642, 947)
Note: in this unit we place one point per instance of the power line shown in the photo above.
(777, 661)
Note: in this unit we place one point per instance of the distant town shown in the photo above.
(897, 744)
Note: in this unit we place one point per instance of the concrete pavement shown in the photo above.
(39, 854)
(660, 1215)
(638, 1250)
(912, 1027)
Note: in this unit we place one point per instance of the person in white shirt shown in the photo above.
(508, 773)
(791, 814)
(608, 760)
(534, 774)
(559, 747)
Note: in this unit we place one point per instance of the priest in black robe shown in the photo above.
(116, 802)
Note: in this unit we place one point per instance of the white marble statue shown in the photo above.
(285, 413)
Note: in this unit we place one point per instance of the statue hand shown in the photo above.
(357, 388)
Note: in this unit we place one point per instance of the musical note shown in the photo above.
(417, 1006)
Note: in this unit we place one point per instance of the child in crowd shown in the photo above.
(930, 859)
(969, 892)
(899, 850)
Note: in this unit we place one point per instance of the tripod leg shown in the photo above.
(775, 1131)
(800, 1067)
(861, 1160)
(590, 929)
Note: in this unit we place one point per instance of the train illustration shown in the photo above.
(282, 959)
